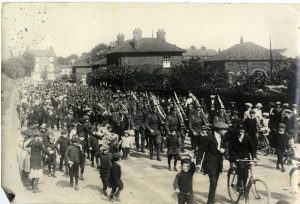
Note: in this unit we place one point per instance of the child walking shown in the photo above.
(105, 166)
(183, 183)
(173, 144)
(115, 178)
(52, 157)
(126, 144)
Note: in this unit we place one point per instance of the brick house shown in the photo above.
(245, 58)
(80, 69)
(144, 51)
(44, 63)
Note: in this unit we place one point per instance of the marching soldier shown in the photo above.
(195, 123)
(173, 124)
(152, 124)
(139, 116)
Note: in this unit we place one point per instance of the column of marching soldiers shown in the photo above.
(96, 123)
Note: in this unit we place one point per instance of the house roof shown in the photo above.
(193, 52)
(42, 52)
(147, 45)
(246, 51)
(81, 63)
(99, 62)
(64, 66)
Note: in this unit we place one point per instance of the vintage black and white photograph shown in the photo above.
(150, 103)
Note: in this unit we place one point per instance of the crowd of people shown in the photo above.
(97, 123)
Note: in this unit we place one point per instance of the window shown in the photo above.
(166, 62)
(44, 60)
(50, 68)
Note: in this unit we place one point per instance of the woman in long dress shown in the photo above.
(24, 155)
(36, 169)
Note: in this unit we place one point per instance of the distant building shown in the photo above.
(65, 70)
(199, 54)
(245, 58)
(45, 62)
(80, 69)
(141, 51)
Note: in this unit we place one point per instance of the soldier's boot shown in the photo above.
(277, 165)
(158, 154)
(53, 173)
(282, 168)
(32, 183)
(81, 176)
(36, 183)
(151, 152)
(76, 184)
(49, 171)
(137, 144)
(26, 179)
(143, 145)
(71, 181)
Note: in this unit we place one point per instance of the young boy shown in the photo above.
(183, 183)
(72, 156)
(52, 157)
(115, 178)
(105, 165)
(173, 144)
(126, 144)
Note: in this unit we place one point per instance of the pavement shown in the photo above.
(146, 181)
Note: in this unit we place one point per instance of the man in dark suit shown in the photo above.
(211, 155)
(241, 148)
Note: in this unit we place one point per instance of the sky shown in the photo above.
(74, 28)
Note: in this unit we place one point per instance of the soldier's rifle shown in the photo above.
(226, 116)
(179, 113)
(201, 110)
(159, 109)
(180, 107)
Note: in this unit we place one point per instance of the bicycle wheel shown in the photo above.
(258, 192)
(234, 195)
(264, 145)
(295, 179)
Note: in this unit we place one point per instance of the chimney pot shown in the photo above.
(161, 35)
(137, 38)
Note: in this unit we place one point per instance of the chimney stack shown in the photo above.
(120, 39)
(203, 48)
(137, 38)
(241, 40)
(161, 35)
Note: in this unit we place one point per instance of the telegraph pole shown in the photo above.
(271, 62)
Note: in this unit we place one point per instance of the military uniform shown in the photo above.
(152, 124)
(139, 116)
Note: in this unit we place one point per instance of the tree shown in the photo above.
(98, 51)
(67, 60)
(28, 63)
(13, 68)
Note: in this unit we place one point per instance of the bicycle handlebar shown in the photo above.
(246, 160)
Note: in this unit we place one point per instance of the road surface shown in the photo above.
(146, 181)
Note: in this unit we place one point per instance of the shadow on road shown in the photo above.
(280, 196)
(139, 155)
(219, 198)
(93, 187)
(159, 166)
(63, 184)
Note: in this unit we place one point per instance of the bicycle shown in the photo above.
(263, 142)
(294, 179)
(258, 188)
